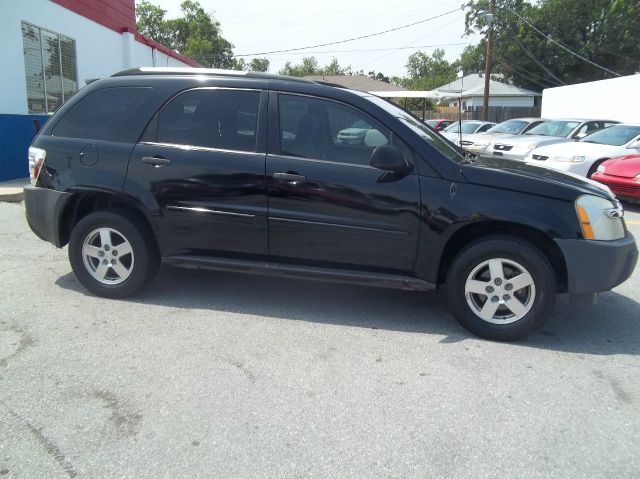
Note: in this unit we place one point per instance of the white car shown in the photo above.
(453, 131)
(547, 133)
(478, 142)
(583, 157)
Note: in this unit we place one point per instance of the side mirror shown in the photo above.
(580, 136)
(634, 146)
(389, 158)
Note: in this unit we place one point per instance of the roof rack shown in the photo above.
(205, 71)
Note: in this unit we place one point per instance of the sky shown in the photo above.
(255, 27)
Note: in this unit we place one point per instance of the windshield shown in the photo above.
(616, 135)
(554, 128)
(511, 127)
(431, 137)
(467, 127)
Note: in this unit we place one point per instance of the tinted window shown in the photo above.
(326, 130)
(213, 118)
(114, 114)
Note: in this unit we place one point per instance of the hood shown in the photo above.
(540, 140)
(485, 137)
(532, 179)
(625, 166)
(592, 151)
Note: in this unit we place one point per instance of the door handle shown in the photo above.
(290, 177)
(156, 161)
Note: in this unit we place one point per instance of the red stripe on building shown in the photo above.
(119, 16)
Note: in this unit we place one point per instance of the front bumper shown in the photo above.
(622, 187)
(595, 266)
(43, 210)
(509, 155)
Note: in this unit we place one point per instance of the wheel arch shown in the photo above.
(475, 231)
(85, 202)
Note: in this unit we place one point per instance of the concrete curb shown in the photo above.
(11, 191)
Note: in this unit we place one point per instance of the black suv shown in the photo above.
(267, 174)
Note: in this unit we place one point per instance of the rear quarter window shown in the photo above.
(113, 114)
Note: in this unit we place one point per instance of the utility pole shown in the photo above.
(487, 69)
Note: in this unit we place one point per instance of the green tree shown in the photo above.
(427, 72)
(309, 66)
(603, 31)
(196, 34)
(259, 65)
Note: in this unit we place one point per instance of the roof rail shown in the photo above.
(205, 71)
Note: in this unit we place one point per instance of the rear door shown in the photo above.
(327, 205)
(201, 169)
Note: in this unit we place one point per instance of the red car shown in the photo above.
(622, 175)
(438, 124)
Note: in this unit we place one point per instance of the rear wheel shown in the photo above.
(501, 288)
(112, 254)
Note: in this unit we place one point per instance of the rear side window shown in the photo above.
(212, 118)
(114, 114)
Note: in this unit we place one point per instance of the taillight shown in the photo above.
(36, 160)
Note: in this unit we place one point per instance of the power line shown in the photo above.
(349, 39)
(380, 49)
(535, 60)
(368, 62)
(562, 46)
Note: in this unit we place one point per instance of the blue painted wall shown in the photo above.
(16, 134)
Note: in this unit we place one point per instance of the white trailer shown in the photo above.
(613, 99)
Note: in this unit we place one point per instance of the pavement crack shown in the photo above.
(49, 446)
(26, 341)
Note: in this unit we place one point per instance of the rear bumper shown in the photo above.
(594, 266)
(43, 210)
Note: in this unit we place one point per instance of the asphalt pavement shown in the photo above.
(213, 374)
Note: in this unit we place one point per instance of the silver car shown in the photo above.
(478, 142)
(547, 133)
(466, 127)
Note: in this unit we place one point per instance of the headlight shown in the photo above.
(600, 219)
(601, 169)
(571, 159)
(530, 146)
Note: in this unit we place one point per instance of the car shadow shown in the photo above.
(633, 207)
(610, 327)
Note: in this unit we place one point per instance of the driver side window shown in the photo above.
(327, 130)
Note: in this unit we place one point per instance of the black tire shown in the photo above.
(594, 167)
(541, 296)
(143, 261)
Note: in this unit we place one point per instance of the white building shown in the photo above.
(51, 49)
(470, 91)
(614, 99)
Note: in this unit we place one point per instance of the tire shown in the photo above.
(594, 167)
(97, 237)
(479, 266)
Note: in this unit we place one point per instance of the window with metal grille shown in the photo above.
(50, 68)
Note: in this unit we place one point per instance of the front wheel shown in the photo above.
(501, 288)
(112, 254)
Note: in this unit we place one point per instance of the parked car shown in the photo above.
(465, 127)
(584, 156)
(439, 124)
(152, 165)
(354, 135)
(479, 142)
(547, 133)
(622, 175)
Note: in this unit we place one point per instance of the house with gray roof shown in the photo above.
(470, 91)
(356, 82)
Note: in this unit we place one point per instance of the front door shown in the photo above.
(327, 206)
(201, 166)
